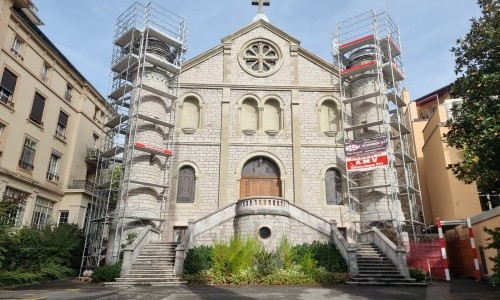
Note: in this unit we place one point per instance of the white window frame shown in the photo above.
(42, 213)
(53, 170)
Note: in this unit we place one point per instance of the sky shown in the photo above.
(83, 30)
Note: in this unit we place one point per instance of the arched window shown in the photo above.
(333, 187)
(186, 185)
(190, 118)
(329, 115)
(249, 115)
(272, 115)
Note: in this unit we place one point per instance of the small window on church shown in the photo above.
(329, 115)
(249, 116)
(333, 187)
(190, 115)
(272, 116)
(186, 185)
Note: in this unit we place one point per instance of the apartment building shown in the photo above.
(443, 195)
(51, 119)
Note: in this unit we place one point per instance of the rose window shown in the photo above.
(260, 58)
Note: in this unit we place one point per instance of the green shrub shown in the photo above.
(494, 243)
(265, 262)
(292, 276)
(107, 273)
(285, 253)
(417, 274)
(236, 256)
(323, 277)
(198, 259)
(15, 278)
(52, 270)
(326, 255)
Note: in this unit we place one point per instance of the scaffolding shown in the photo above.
(133, 165)
(382, 183)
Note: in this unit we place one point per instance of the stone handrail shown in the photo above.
(346, 250)
(396, 255)
(198, 227)
(262, 205)
(309, 219)
(182, 249)
(131, 252)
(208, 222)
(329, 229)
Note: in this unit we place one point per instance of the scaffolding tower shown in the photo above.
(382, 184)
(133, 165)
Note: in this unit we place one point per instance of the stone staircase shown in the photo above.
(376, 269)
(154, 266)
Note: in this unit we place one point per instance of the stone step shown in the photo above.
(383, 279)
(148, 279)
(131, 284)
(394, 283)
(140, 277)
(377, 268)
(371, 271)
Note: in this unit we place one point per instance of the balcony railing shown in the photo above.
(51, 176)
(262, 205)
(87, 186)
(25, 165)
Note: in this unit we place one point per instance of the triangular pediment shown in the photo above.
(261, 23)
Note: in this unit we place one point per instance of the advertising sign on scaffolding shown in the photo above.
(366, 154)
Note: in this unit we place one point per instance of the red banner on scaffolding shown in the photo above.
(365, 146)
(367, 162)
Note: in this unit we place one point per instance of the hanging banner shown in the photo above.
(365, 146)
(367, 162)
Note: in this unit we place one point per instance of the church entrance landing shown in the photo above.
(260, 176)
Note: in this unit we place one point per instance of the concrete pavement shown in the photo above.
(459, 289)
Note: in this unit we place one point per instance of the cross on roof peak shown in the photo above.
(260, 12)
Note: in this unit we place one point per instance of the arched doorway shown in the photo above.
(260, 176)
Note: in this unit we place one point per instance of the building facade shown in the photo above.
(443, 195)
(51, 119)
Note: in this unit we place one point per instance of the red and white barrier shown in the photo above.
(477, 273)
(443, 249)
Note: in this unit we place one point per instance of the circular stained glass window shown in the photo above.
(260, 58)
(264, 233)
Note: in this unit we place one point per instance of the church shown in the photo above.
(247, 139)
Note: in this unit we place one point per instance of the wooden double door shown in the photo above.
(260, 177)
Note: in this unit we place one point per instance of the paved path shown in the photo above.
(460, 289)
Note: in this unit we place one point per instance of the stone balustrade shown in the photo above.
(262, 205)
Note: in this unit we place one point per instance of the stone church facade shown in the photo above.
(259, 128)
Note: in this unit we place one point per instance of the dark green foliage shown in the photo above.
(265, 262)
(236, 256)
(494, 244)
(475, 130)
(16, 278)
(198, 259)
(245, 262)
(326, 255)
(107, 273)
(417, 274)
(37, 255)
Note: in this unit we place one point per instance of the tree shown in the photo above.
(475, 130)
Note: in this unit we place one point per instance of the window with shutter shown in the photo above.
(62, 123)
(37, 109)
(8, 85)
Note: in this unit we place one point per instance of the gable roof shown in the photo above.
(321, 62)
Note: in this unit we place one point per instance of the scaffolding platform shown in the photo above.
(163, 93)
(142, 182)
(153, 150)
(154, 120)
(389, 47)
(396, 99)
(363, 41)
(116, 121)
(361, 68)
(400, 127)
(361, 97)
(113, 151)
(134, 33)
(366, 125)
(390, 69)
(121, 90)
